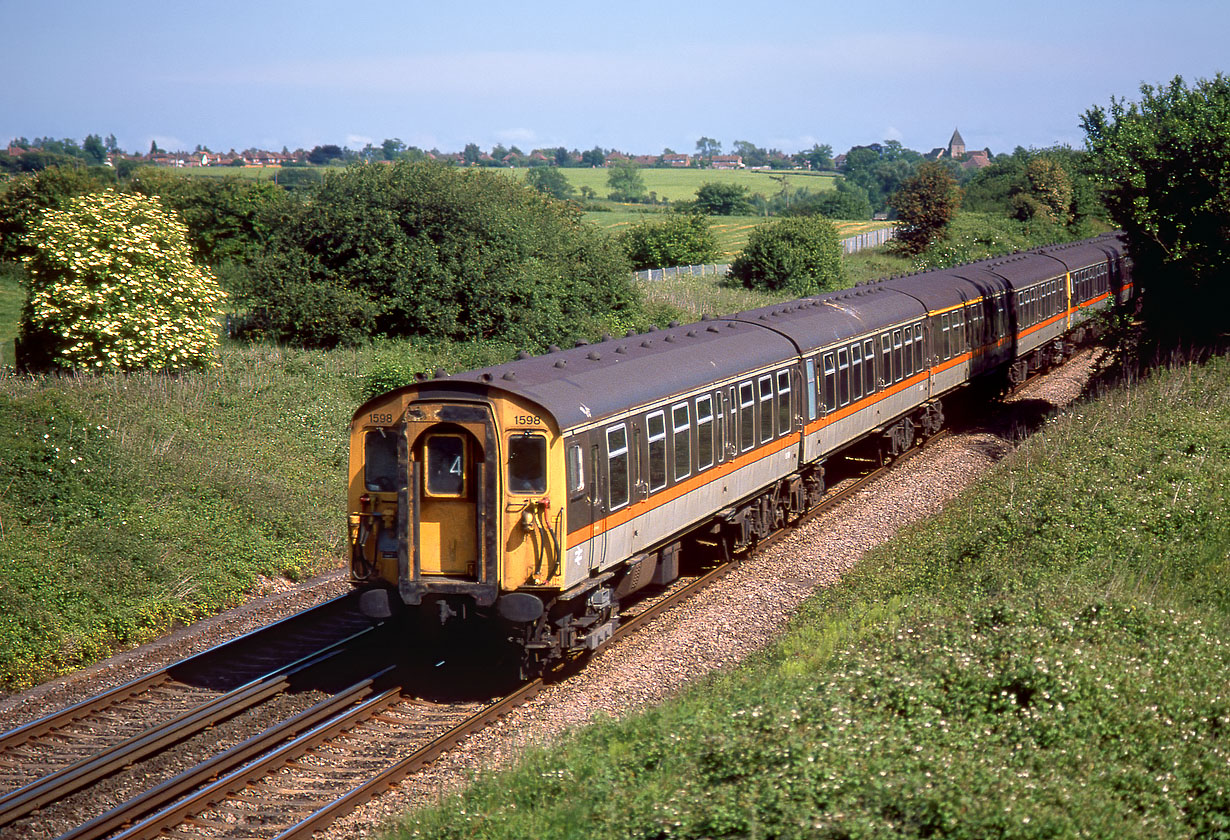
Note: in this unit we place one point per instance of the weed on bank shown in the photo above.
(1047, 658)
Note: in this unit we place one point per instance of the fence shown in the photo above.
(870, 239)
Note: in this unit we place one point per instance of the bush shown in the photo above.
(799, 255)
(427, 250)
(676, 240)
(24, 200)
(113, 287)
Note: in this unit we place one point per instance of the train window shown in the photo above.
(681, 439)
(704, 432)
(945, 333)
(811, 389)
(843, 377)
(380, 461)
(907, 347)
(766, 408)
(656, 426)
(918, 348)
(576, 469)
(856, 371)
(617, 466)
(527, 463)
(785, 416)
(898, 369)
(720, 425)
(869, 359)
(446, 465)
(747, 423)
(830, 383)
(886, 359)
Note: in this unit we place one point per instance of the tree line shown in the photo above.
(427, 250)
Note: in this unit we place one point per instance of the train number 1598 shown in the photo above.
(527, 420)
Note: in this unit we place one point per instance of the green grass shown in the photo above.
(12, 299)
(134, 502)
(731, 231)
(1048, 658)
(682, 184)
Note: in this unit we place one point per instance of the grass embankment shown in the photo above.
(1047, 658)
(130, 503)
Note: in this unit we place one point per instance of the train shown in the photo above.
(538, 495)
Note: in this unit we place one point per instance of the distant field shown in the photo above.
(731, 231)
(665, 184)
(682, 184)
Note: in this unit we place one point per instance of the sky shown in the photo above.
(635, 76)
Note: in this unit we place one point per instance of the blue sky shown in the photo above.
(636, 76)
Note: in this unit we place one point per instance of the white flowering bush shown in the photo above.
(113, 287)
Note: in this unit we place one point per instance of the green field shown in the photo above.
(1045, 659)
(665, 184)
(682, 184)
(731, 231)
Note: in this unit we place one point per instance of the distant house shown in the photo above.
(977, 160)
(676, 160)
(726, 162)
(615, 157)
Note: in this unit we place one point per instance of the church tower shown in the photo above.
(956, 146)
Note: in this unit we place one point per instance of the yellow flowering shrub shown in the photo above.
(113, 287)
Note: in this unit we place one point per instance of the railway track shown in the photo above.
(100, 769)
(320, 758)
(55, 769)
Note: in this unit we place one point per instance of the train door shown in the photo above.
(449, 465)
(597, 534)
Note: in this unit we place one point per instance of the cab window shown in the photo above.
(446, 465)
(380, 461)
(527, 463)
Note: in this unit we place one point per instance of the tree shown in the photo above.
(925, 204)
(707, 147)
(549, 180)
(799, 255)
(847, 202)
(113, 288)
(817, 157)
(880, 171)
(94, 149)
(429, 250)
(752, 154)
(227, 218)
(1050, 191)
(1164, 164)
(25, 199)
(595, 157)
(723, 200)
(676, 240)
(322, 155)
(392, 147)
(625, 182)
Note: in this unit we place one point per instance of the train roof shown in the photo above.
(1087, 251)
(592, 381)
(822, 320)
